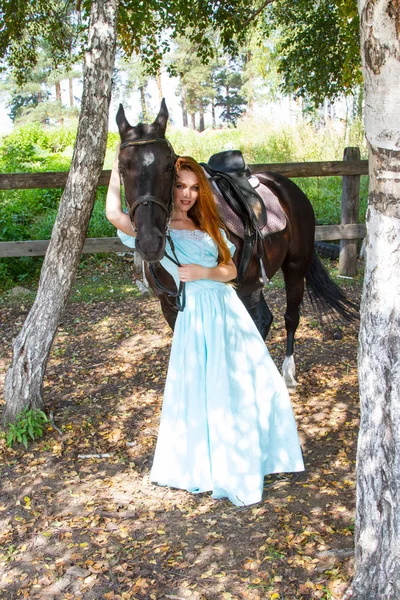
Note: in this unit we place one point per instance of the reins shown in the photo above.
(180, 295)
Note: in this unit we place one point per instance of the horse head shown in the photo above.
(146, 164)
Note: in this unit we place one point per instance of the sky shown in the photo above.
(132, 107)
(277, 113)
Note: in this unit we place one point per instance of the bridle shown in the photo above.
(180, 296)
(146, 199)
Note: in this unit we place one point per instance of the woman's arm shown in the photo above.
(222, 272)
(114, 212)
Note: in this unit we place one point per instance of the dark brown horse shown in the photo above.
(146, 162)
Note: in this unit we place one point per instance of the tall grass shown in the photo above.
(263, 143)
(30, 214)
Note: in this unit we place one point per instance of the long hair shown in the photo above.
(204, 212)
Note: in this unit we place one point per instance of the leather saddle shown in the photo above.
(228, 171)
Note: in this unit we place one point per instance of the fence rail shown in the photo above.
(24, 181)
(350, 169)
(103, 245)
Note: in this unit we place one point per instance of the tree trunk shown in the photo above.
(377, 551)
(58, 91)
(184, 110)
(250, 85)
(213, 116)
(228, 105)
(60, 121)
(71, 91)
(193, 120)
(24, 380)
(201, 120)
(159, 86)
(360, 103)
(143, 103)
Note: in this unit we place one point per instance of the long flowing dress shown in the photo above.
(227, 419)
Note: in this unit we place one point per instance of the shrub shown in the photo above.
(30, 214)
(28, 426)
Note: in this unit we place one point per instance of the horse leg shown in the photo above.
(259, 311)
(294, 284)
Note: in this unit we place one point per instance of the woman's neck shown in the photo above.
(182, 220)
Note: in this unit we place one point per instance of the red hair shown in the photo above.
(204, 212)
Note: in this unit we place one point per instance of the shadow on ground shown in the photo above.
(73, 526)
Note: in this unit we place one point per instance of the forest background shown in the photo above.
(252, 99)
(317, 53)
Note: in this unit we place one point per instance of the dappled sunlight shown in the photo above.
(226, 403)
(83, 527)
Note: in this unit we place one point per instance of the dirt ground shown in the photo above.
(77, 526)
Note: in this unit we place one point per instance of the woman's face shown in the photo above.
(186, 190)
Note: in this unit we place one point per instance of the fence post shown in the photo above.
(350, 206)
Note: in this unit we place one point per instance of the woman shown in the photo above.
(226, 419)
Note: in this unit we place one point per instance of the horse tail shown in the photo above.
(325, 295)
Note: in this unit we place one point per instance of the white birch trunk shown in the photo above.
(24, 380)
(377, 549)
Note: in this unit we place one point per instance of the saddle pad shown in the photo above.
(276, 218)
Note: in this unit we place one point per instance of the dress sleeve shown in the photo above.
(127, 240)
(231, 247)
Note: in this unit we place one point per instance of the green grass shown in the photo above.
(30, 214)
(325, 194)
(100, 278)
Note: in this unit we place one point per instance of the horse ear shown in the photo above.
(122, 122)
(162, 117)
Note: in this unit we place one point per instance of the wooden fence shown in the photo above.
(350, 169)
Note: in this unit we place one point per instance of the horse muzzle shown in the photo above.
(151, 226)
(151, 248)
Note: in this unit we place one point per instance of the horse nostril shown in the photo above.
(151, 247)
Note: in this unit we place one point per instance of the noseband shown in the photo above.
(180, 294)
(146, 199)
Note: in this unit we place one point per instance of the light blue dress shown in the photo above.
(226, 418)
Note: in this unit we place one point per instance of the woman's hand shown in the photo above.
(192, 272)
(222, 272)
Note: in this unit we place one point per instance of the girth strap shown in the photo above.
(252, 232)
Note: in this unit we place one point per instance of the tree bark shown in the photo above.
(185, 121)
(60, 121)
(24, 380)
(58, 91)
(201, 120)
(159, 86)
(250, 85)
(228, 104)
(143, 102)
(71, 91)
(377, 540)
(213, 116)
